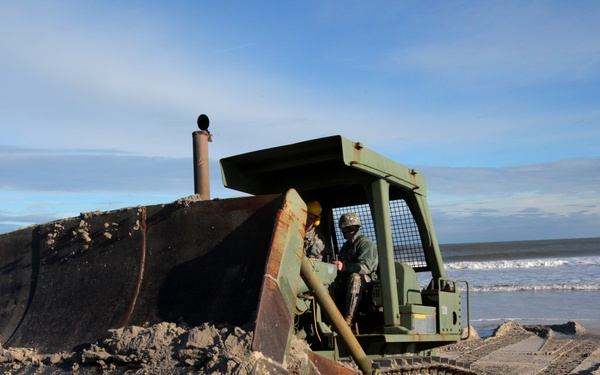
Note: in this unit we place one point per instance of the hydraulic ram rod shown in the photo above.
(337, 320)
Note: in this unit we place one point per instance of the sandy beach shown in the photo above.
(512, 349)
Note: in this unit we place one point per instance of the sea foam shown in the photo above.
(505, 264)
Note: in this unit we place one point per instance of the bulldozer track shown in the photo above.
(525, 352)
(553, 345)
(476, 349)
(571, 355)
(422, 365)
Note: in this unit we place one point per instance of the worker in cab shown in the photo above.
(356, 265)
(314, 246)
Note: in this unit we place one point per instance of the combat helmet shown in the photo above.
(349, 219)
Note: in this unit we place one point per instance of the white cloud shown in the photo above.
(120, 86)
(549, 200)
(117, 90)
(101, 89)
(65, 184)
(569, 177)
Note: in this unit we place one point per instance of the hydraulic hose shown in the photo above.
(337, 320)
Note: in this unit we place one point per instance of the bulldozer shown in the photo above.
(241, 260)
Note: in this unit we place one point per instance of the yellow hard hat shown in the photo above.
(315, 208)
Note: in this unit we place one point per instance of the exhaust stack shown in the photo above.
(200, 141)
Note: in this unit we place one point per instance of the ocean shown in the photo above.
(530, 282)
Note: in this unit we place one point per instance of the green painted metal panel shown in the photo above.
(330, 161)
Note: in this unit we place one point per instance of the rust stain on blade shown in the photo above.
(282, 225)
(324, 366)
(140, 275)
(273, 323)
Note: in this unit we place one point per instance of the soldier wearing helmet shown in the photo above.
(357, 261)
(313, 242)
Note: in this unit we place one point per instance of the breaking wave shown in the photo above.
(522, 263)
(527, 288)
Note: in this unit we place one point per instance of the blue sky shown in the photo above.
(497, 103)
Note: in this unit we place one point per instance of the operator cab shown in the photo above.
(390, 200)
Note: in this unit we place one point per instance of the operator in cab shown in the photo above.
(357, 262)
(314, 246)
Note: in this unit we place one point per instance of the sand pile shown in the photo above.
(186, 201)
(508, 328)
(164, 348)
(569, 328)
(471, 332)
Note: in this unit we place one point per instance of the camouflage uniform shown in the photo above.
(313, 244)
(359, 255)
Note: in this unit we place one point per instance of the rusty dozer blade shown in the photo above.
(64, 284)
